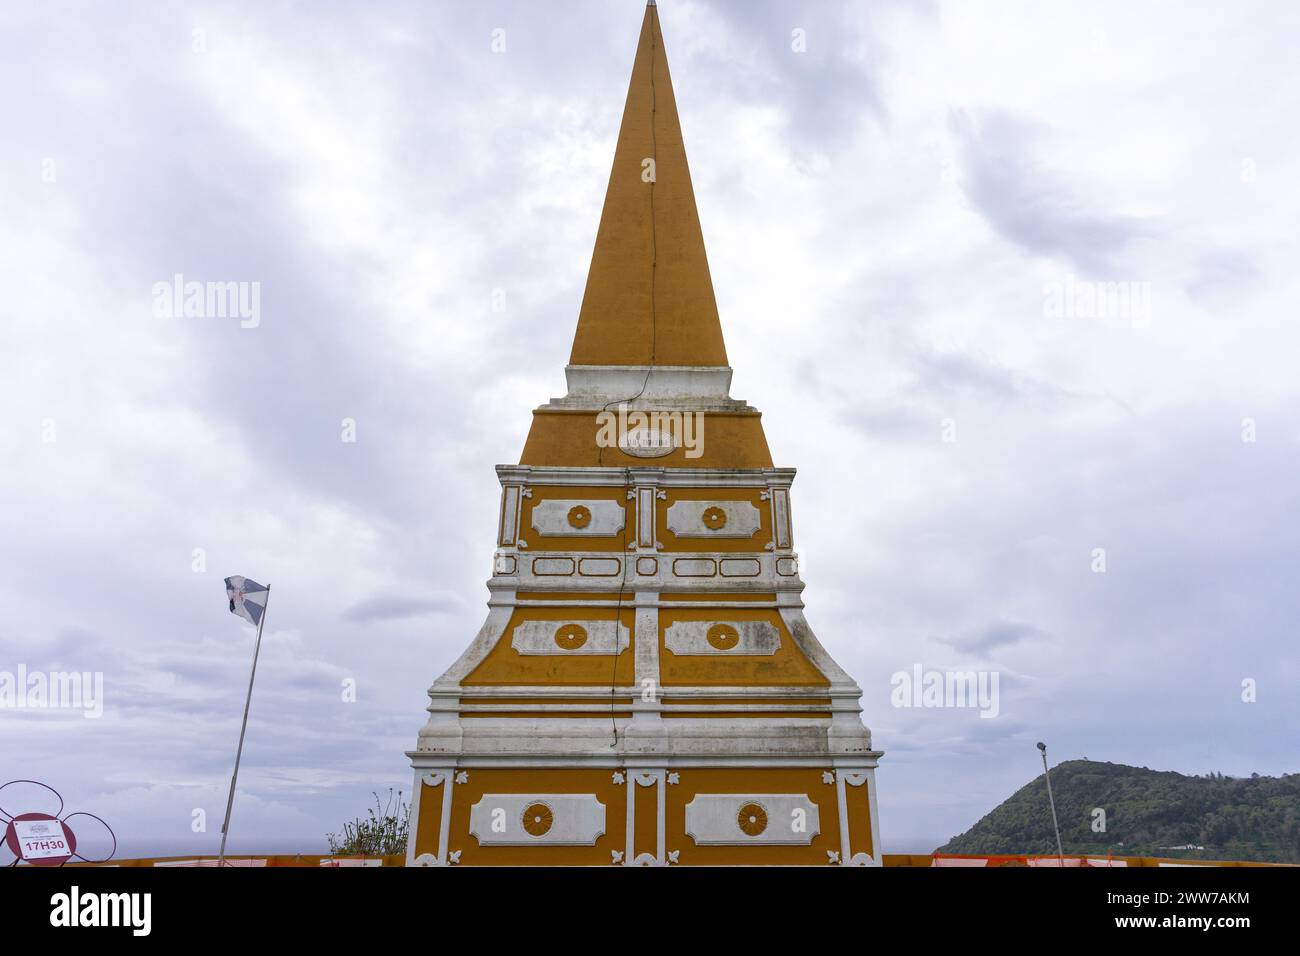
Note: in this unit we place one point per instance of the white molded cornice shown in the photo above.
(650, 477)
(696, 387)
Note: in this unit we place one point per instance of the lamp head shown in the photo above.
(1042, 746)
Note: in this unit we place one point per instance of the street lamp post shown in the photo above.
(1060, 853)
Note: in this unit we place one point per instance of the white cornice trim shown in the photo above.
(655, 477)
(865, 760)
(702, 387)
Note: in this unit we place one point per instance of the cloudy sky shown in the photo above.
(905, 222)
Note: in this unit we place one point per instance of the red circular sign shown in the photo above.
(16, 847)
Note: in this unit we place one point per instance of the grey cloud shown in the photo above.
(827, 90)
(1033, 205)
(387, 607)
(994, 636)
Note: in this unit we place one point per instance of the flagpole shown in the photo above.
(230, 801)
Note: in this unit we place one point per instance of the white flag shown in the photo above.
(247, 598)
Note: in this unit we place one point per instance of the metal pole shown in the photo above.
(230, 801)
(1060, 853)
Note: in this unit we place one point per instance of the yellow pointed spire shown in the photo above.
(649, 298)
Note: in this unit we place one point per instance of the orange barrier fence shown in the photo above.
(959, 860)
(296, 859)
(889, 859)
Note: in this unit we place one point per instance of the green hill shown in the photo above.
(1147, 812)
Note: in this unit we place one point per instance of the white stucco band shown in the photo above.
(594, 386)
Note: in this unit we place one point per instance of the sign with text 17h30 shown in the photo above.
(41, 839)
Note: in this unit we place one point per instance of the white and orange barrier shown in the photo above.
(1073, 861)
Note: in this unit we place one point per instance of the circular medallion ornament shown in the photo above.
(714, 518)
(643, 441)
(722, 636)
(579, 516)
(752, 819)
(570, 637)
(537, 819)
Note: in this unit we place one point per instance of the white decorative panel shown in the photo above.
(523, 819)
(781, 516)
(599, 567)
(509, 513)
(700, 638)
(740, 567)
(560, 638)
(740, 819)
(505, 564)
(647, 566)
(713, 519)
(695, 567)
(547, 567)
(645, 518)
(787, 567)
(555, 518)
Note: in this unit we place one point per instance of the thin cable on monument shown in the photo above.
(627, 472)
(654, 245)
